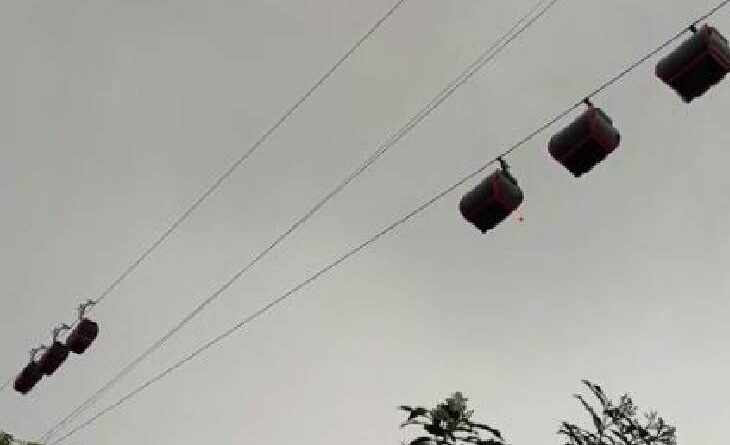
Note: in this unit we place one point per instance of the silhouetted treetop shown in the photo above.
(449, 423)
(618, 424)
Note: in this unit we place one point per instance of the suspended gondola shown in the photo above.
(82, 336)
(699, 63)
(52, 359)
(30, 375)
(585, 142)
(493, 200)
(55, 355)
(85, 332)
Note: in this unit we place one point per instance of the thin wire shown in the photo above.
(252, 149)
(221, 179)
(195, 205)
(485, 57)
(378, 235)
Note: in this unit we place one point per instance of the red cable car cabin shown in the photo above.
(82, 336)
(696, 65)
(585, 142)
(28, 377)
(53, 358)
(492, 201)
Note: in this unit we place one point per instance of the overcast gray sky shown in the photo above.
(115, 115)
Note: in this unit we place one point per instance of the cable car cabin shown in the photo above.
(82, 336)
(28, 377)
(492, 201)
(585, 142)
(700, 62)
(53, 358)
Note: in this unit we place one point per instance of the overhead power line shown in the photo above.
(522, 24)
(241, 159)
(425, 205)
(534, 14)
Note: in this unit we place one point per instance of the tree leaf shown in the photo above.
(596, 420)
(423, 440)
(482, 426)
(598, 392)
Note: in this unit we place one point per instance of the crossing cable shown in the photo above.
(241, 159)
(521, 25)
(387, 229)
(213, 187)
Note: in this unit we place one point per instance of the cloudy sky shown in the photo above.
(115, 116)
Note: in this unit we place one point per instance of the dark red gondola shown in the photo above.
(82, 336)
(699, 63)
(585, 142)
(28, 378)
(53, 358)
(493, 200)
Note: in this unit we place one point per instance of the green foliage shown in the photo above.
(7, 439)
(618, 424)
(449, 423)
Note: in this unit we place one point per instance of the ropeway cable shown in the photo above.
(238, 162)
(386, 230)
(517, 29)
(213, 187)
(520, 26)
